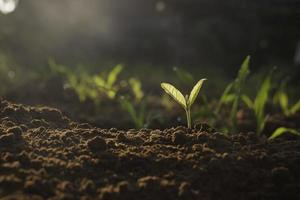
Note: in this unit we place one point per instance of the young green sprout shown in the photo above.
(187, 101)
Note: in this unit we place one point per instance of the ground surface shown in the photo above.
(43, 155)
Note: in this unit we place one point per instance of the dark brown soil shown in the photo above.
(44, 155)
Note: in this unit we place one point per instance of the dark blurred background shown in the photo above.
(211, 33)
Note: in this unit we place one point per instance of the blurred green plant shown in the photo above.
(205, 111)
(94, 87)
(137, 115)
(187, 101)
(137, 112)
(259, 103)
(184, 76)
(136, 88)
(233, 92)
(282, 99)
(282, 130)
(107, 83)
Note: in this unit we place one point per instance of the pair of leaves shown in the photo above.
(187, 102)
(111, 77)
(108, 85)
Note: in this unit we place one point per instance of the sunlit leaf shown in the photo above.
(224, 96)
(281, 130)
(261, 100)
(113, 74)
(249, 103)
(228, 98)
(111, 94)
(233, 113)
(295, 108)
(175, 94)
(136, 87)
(99, 81)
(242, 74)
(284, 103)
(195, 91)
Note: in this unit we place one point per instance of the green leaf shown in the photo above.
(184, 76)
(113, 74)
(99, 81)
(284, 103)
(281, 130)
(136, 87)
(175, 94)
(242, 74)
(261, 100)
(233, 112)
(195, 91)
(224, 96)
(295, 108)
(128, 106)
(249, 103)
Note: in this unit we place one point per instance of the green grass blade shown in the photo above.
(113, 74)
(242, 74)
(136, 87)
(295, 108)
(284, 103)
(195, 91)
(175, 94)
(99, 81)
(249, 103)
(128, 106)
(281, 130)
(261, 101)
(233, 113)
(224, 96)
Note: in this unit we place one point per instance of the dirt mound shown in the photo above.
(43, 155)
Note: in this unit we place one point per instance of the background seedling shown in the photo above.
(233, 92)
(282, 130)
(282, 99)
(260, 101)
(87, 86)
(108, 84)
(137, 115)
(187, 101)
(184, 76)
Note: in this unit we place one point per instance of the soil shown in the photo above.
(45, 155)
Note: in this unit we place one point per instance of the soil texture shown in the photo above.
(45, 155)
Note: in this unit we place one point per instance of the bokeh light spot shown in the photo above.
(8, 6)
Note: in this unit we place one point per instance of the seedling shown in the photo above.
(138, 113)
(260, 101)
(233, 92)
(88, 86)
(282, 130)
(281, 97)
(184, 76)
(136, 88)
(137, 116)
(187, 101)
(108, 84)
